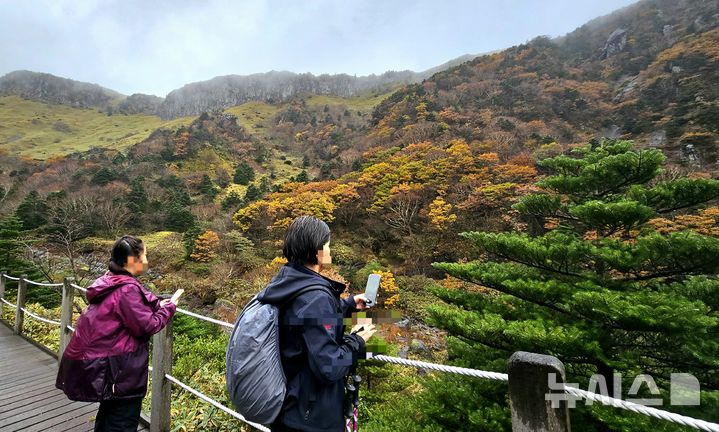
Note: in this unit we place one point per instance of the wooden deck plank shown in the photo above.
(29, 400)
(11, 344)
(27, 379)
(36, 399)
(13, 352)
(53, 419)
(36, 391)
(89, 426)
(22, 376)
(14, 369)
(83, 419)
(34, 411)
(37, 403)
(20, 365)
(21, 390)
(30, 352)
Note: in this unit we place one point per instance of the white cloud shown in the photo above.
(156, 46)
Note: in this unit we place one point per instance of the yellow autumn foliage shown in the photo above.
(389, 290)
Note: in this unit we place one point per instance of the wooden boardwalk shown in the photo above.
(29, 400)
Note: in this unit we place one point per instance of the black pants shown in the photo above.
(118, 415)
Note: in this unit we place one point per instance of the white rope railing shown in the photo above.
(605, 400)
(8, 303)
(12, 278)
(643, 409)
(43, 283)
(214, 402)
(204, 318)
(443, 368)
(39, 318)
(78, 287)
(71, 328)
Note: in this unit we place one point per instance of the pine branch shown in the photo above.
(537, 302)
(539, 267)
(680, 272)
(469, 340)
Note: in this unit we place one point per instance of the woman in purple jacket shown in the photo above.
(106, 360)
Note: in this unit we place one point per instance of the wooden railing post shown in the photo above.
(2, 291)
(19, 314)
(161, 387)
(529, 384)
(68, 296)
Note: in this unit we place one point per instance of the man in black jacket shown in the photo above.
(316, 354)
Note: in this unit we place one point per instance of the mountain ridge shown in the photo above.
(219, 92)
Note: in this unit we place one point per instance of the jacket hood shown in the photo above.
(291, 279)
(106, 284)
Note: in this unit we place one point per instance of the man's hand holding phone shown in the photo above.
(361, 301)
(369, 297)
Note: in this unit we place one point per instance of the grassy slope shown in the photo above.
(41, 131)
(254, 116)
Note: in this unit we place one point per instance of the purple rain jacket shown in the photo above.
(107, 357)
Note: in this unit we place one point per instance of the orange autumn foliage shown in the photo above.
(206, 246)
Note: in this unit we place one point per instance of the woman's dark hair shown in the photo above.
(305, 236)
(126, 246)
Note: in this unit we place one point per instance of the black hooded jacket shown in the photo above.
(316, 355)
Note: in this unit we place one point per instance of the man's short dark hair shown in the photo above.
(126, 246)
(305, 236)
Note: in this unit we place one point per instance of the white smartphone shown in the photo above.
(370, 291)
(177, 295)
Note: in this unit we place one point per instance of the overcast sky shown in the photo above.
(138, 46)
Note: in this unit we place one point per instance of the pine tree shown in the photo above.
(231, 201)
(137, 200)
(13, 263)
(189, 237)
(596, 286)
(264, 185)
(32, 211)
(104, 176)
(252, 194)
(239, 243)
(207, 188)
(10, 247)
(302, 177)
(244, 174)
(180, 197)
(179, 218)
